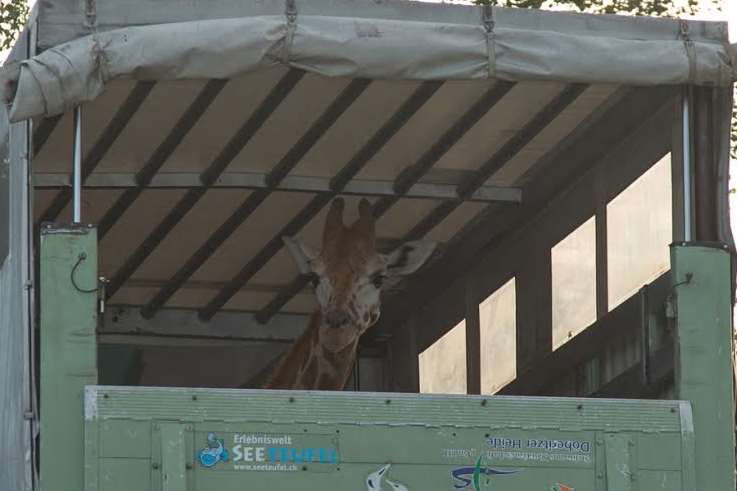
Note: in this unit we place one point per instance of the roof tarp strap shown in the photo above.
(502, 44)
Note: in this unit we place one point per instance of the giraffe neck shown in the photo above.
(308, 365)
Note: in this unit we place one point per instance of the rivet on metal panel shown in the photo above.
(388, 401)
(155, 465)
(105, 396)
(291, 399)
(600, 475)
(194, 397)
(579, 407)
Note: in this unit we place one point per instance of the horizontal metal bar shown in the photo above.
(149, 340)
(183, 323)
(292, 183)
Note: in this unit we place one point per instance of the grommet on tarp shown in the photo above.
(291, 14)
(685, 33)
(291, 11)
(488, 16)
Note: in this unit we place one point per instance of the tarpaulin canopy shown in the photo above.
(387, 40)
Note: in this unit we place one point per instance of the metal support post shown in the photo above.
(68, 350)
(77, 158)
(687, 206)
(703, 373)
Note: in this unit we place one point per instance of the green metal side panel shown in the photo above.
(214, 439)
(68, 351)
(701, 282)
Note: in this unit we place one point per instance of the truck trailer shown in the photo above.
(571, 329)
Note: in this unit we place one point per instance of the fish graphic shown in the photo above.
(466, 477)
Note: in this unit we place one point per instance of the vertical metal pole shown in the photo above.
(687, 233)
(77, 157)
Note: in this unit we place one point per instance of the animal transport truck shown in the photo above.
(502, 233)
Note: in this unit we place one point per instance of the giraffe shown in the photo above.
(347, 276)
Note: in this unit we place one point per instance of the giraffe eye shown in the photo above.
(314, 279)
(377, 280)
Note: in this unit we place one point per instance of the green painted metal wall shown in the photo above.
(68, 350)
(702, 292)
(136, 438)
(212, 439)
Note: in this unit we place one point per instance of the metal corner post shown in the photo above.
(68, 320)
(702, 288)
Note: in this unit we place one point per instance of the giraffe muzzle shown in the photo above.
(336, 318)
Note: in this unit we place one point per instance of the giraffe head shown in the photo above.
(348, 273)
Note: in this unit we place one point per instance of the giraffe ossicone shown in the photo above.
(347, 274)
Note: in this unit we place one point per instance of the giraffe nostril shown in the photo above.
(336, 318)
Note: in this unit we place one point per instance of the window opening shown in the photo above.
(498, 324)
(573, 263)
(639, 231)
(443, 364)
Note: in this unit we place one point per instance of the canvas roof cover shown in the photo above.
(392, 39)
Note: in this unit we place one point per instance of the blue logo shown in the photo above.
(213, 453)
(467, 477)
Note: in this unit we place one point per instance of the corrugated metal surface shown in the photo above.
(15, 400)
(365, 407)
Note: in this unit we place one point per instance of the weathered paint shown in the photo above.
(68, 351)
(139, 438)
(209, 439)
(701, 285)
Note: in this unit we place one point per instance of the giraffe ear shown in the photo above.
(301, 252)
(407, 258)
